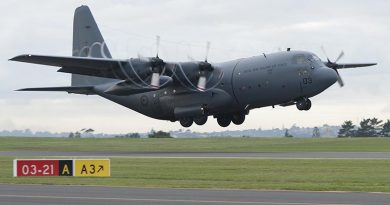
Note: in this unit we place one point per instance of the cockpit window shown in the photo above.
(299, 59)
(314, 58)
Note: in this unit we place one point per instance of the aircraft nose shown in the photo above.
(327, 76)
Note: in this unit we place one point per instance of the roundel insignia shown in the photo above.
(144, 100)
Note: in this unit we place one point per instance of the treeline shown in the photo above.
(371, 127)
(152, 134)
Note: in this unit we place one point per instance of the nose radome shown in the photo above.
(328, 76)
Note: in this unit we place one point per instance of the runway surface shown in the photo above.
(88, 195)
(288, 155)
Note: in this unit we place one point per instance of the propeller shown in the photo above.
(204, 67)
(157, 66)
(334, 65)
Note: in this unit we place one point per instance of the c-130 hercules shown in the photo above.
(189, 91)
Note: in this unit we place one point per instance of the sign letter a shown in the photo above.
(65, 170)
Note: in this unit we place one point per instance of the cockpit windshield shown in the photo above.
(314, 58)
(306, 58)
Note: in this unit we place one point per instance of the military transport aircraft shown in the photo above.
(189, 91)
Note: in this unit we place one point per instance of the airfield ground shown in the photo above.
(196, 145)
(367, 175)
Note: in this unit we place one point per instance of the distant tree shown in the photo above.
(377, 125)
(385, 132)
(286, 134)
(77, 135)
(89, 130)
(316, 132)
(134, 135)
(347, 129)
(129, 135)
(159, 134)
(367, 128)
(71, 135)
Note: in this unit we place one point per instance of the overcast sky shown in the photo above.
(235, 28)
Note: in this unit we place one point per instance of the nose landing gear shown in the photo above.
(303, 104)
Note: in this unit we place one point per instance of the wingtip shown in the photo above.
(25, 89)
(17, 58)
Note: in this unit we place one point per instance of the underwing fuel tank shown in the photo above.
(189, 111)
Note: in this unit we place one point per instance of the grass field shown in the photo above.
(286, 174)
(234, 173)
(197, 145)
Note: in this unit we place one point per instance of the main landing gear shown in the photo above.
(187, 122)
(303, 104)
(223, 120)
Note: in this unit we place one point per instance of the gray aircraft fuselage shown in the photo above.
(247, 83)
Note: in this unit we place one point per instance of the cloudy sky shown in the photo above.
(235, 28)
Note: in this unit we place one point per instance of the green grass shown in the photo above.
(197, 145)
(286, 174)
(234, 173)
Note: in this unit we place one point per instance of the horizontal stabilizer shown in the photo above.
(62, 61)
(86, 90)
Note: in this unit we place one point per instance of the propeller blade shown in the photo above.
(324, 52)
(202, 83)
(207, 50)
(339, 79)
(157, 45)
(339, 57)
(155, 81)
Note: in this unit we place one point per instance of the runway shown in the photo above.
(88, 195)
(281, 155)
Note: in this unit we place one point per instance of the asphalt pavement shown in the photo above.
(95, 195)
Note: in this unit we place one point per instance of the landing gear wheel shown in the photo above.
(238, 119)
(308, 104)
(200, 120)
(303, 104)
(186, 122)
(224, 121)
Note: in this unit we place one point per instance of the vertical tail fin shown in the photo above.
(87, 42)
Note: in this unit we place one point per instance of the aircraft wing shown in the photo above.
(99, 67)
(354, 65)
